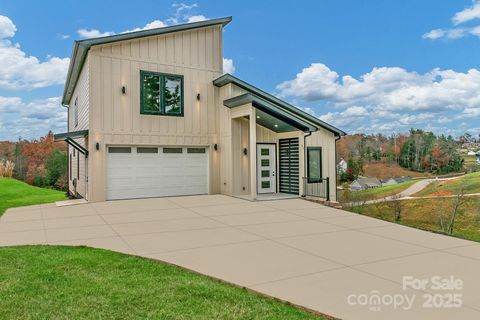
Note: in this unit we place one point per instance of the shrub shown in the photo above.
(56, 168)
(6, 168)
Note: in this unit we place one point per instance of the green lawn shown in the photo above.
(55, 282)
(470, 182)
(375, 193)
(424, 214)
(15, 193)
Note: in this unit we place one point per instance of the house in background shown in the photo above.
(478, 157)
(150, 114)
(389, 182)
(342, 166)
(365, 183)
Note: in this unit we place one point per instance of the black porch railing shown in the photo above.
(318, 188)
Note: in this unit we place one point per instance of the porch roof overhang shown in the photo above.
(68, 138)
(291, 110)
(269, 112)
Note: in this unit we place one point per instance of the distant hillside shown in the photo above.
(382, 170)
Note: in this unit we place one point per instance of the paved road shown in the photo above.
(407, 193)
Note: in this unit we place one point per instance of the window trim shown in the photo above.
(310, 180)
(162, 94)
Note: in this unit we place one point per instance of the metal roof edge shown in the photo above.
(228, 78)
(81, 47)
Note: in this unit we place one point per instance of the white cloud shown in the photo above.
(30, 119)
(7, 28)
(152, 25)
(196, 18)
(434, 34)
(468, 14)
(63, 36)
(93, 33)
(20, 71)
(387, 88)
(387, 99)
(182, 14)
(228, 66)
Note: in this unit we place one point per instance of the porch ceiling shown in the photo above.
(272, 114)
(272, 123)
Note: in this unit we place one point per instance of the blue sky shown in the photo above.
(364, 66)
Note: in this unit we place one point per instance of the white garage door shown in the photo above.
(142, 172)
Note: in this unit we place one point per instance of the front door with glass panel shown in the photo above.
(266, 168)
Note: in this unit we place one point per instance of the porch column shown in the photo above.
(253, 153)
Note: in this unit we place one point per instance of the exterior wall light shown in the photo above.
(198, 96)
(124, 90)
(97, 146)
(245, 151)
(215, 147)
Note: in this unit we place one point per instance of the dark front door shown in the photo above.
(289, 165)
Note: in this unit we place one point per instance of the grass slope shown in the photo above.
(423, 214)
(54, 282)
(15, 193)
(375, 193)
(382, 170)
(471, 183)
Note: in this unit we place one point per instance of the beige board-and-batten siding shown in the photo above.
(81, 94)
(115, 118)
(326, 139)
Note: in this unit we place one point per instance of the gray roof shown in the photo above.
(368, 182)
(81, 47)
(228, 78)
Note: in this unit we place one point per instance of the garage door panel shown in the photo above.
(140, 175)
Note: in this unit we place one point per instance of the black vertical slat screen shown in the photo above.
(289, 165)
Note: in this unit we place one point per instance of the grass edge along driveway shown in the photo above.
(59, 282)
(15, 193)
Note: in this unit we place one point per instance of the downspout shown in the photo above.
(335, 149)
(305, 135)
(68, 149)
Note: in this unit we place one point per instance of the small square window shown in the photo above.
(172, 150)
(265, 173)
(265, 162)
(195, 150)
(265, 184)
(265, 152)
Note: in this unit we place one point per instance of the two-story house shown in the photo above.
(151, 114)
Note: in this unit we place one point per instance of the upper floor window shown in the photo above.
(76, 112)
(161, 94)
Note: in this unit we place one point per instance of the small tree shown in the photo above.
(447, 219)
(396, 205)
(56, 167)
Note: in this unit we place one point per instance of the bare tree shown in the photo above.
(396, 205)
(447, 219)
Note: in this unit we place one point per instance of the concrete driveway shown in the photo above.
(321, 258)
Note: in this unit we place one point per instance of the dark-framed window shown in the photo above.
(70, 168)
(75, 111)
(314, 164)
(161, 94)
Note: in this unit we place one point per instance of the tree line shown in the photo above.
(417, 150)
(39, 162)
